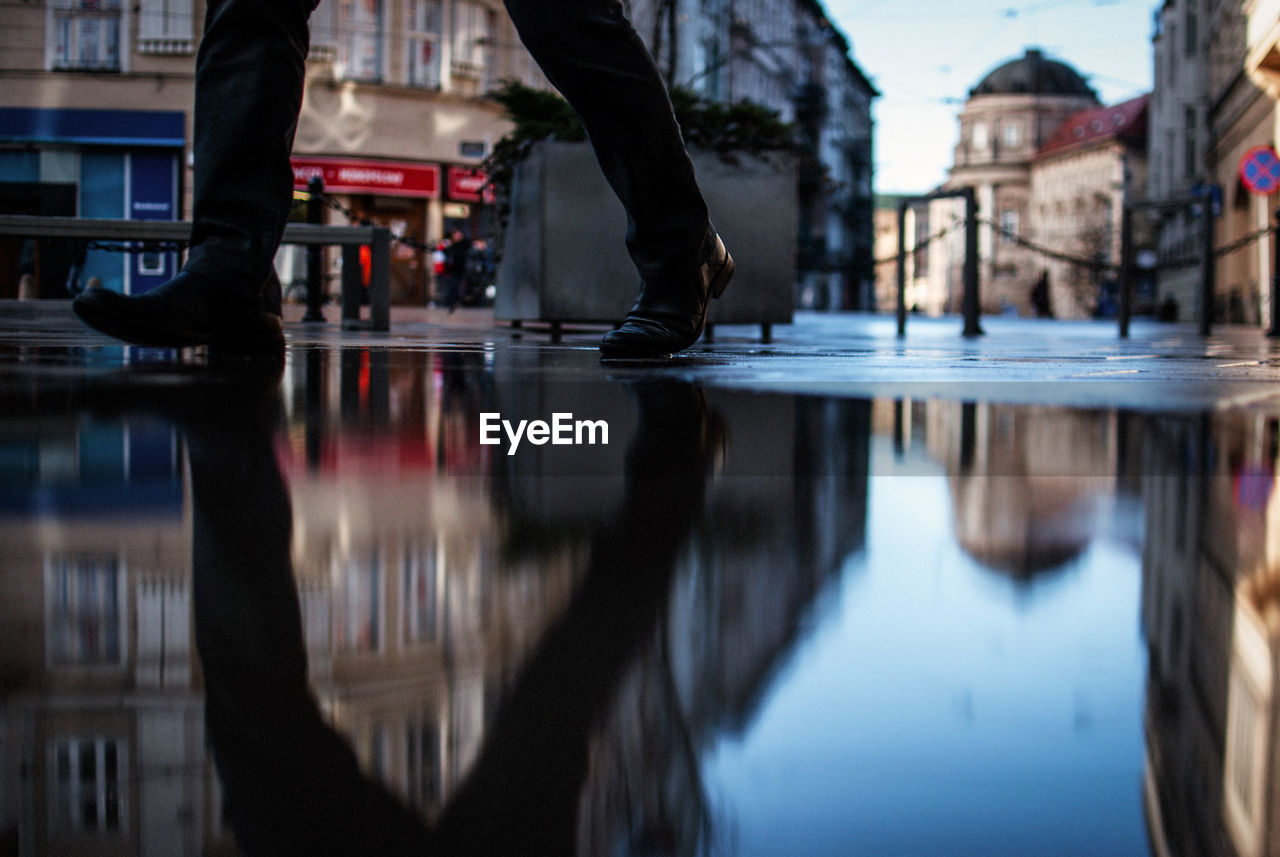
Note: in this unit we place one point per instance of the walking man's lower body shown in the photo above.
(249, 79)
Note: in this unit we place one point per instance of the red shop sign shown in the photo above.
(467, 184)
(384, 178)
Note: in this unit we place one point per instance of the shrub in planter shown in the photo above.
(562, 252)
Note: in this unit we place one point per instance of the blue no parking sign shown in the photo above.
(1260, 170)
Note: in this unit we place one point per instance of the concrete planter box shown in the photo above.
(564, 254)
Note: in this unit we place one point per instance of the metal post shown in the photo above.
(899, 430)
(902, 268)
(1126, 271)
(380, 279)
(315, 253)
(352, 284)
(1207, 267)
(968, 436)
(313, 410)
(380, 388)
(971, 301)
(1274, 330)
(350, 363)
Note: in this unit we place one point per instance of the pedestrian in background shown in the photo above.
(455, 268)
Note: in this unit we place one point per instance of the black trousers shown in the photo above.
(249, 80)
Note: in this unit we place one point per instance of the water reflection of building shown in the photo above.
(1251, 779)
(742, 594)
(1028, 483)
(101, 740)
(422, 595)
(1207, 489)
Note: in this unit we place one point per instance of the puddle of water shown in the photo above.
(746, 624)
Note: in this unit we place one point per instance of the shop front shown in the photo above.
(87, 163)
(421, 203)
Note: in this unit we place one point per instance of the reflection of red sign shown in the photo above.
(384, 178)
(1260, 170)
(468, 185)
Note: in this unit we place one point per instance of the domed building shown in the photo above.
(1008, 117)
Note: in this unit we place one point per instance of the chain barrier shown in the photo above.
(355, 219)
(956, 224)
(135, 247)
(1092, 264)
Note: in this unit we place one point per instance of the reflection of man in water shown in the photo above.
(249, 82)
(291, 784)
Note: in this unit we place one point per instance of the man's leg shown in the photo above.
(249, 78)
(591, 53)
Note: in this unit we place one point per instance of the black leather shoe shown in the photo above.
(670, 314)
(190, 309)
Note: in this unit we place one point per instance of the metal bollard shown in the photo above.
(315, 253)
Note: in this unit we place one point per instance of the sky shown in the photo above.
(925, 55)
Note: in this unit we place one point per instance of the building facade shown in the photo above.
(95, 122)
(1178, 145)
(1008, 117)
(788, 56)
(1215, 71)
(424, 586)
(836, 199)
(1080, 181)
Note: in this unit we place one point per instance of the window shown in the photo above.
(359, 617)
(979, 135)
(165, 27)
(423, 761)
(85, 608)
(151, 264)
(163, 633)
(86, 34)
(423, 32)
(470, 39)
(1008, 226)
(1191, 33)
(1245, 725)
(1011, 135)
(421, 601)
(88, 785)
(359, 39)
(1189, 140)
(324, 36)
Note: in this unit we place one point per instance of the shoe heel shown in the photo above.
(720, 281)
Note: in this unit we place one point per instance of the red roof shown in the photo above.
(1126, 121)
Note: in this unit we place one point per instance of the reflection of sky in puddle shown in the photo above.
(938, 708)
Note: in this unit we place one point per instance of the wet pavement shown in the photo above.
(834, 594)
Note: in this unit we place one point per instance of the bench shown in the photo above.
(349, 238)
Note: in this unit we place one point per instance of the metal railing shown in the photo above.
(349, 238)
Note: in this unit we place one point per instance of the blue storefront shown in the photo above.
(89, 163)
